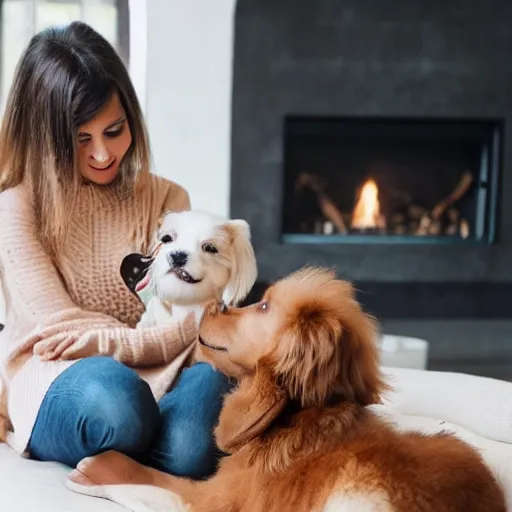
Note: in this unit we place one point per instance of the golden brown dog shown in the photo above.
(297, 430)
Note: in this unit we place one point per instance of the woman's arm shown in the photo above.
(145, 346)
(71, 338)
(33, 286)
(36, 292)
(32, 283)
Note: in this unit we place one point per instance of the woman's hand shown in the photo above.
(74, 345)
(62, 330)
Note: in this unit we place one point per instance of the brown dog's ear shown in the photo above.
(329, 351)
(249, 410)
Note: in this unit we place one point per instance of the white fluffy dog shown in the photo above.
(197, 257)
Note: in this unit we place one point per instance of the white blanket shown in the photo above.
(31, 486)
(476, 409)
(481, 405)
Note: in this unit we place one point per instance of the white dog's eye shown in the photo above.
(166, 239)
(210, 248)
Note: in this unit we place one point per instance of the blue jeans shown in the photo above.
(99, 404)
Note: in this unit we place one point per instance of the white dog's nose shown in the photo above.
(178, 258)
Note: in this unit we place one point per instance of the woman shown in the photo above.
(76, 197)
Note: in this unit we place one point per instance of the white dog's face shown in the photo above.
(203, 257)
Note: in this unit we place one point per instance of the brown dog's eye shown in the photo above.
(166, 239)
(210, 248)
(264, 306)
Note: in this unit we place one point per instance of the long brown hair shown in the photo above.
(63, 79)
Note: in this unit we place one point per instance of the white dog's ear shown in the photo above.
(244, 269)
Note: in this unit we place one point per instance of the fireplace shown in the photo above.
(360, 180)
(408, 97)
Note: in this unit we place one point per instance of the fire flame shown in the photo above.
(366, 213)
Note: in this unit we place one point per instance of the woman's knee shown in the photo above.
(192, 450)
(201, 388)
(118, 409)
(186, 444)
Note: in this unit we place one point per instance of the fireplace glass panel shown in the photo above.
(390, 180)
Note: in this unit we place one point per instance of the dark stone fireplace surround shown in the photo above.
(386, 58)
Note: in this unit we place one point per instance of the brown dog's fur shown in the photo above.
(297, 429)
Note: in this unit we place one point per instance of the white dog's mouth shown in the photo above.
(184, 276)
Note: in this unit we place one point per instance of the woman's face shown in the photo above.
(102, 143)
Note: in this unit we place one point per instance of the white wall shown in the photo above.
(2, 306)
(187, 92)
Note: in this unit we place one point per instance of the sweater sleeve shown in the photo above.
(147, 346)
(33, 286)
(54, 323)
(68, 335)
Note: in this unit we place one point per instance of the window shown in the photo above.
(21, 19)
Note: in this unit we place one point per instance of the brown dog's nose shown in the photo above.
(212, 308)
(216, 307)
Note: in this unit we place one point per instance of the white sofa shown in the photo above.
(477, 409)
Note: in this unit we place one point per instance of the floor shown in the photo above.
(470, 346)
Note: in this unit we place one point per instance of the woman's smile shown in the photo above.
(105, 167)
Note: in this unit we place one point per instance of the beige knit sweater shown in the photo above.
(83, 299)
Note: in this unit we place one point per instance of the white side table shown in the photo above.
(403, 352)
